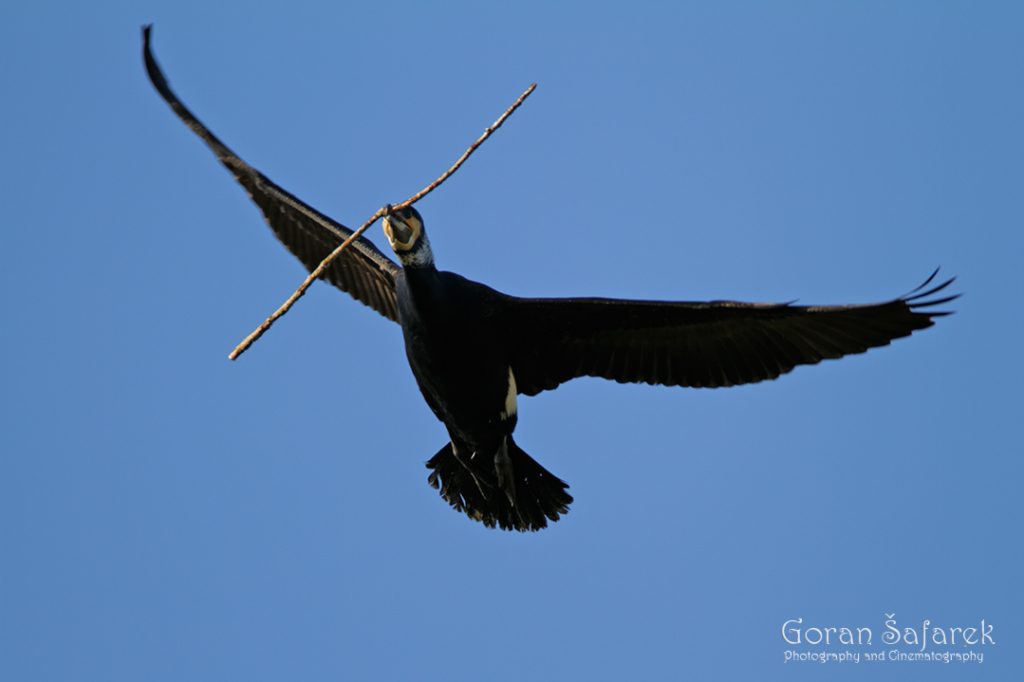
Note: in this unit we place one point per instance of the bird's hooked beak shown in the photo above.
(404, 230)
(398, 231)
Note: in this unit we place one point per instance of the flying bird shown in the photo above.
(473, 350)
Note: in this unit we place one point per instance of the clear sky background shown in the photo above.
(168, 515)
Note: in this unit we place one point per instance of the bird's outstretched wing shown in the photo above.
(718, 343)
(361, 270)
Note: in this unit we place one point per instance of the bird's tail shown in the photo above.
(518, 494)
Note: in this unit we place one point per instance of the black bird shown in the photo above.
(473, 350)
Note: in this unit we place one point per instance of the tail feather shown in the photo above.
(473, 488)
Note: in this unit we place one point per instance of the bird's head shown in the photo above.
(408, 239)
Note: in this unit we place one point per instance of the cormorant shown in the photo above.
(473, 350)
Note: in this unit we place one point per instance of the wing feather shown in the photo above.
(718, 343)
(361, 270)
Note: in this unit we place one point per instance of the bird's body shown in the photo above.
(457, 342)
(473, 350)
(458, 358)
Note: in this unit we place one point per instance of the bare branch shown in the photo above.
(465, 155)
(381, 212)
(298, 293)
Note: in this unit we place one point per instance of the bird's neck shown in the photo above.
(424, 287)
(421, 257)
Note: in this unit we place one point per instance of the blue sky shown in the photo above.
(166, 514)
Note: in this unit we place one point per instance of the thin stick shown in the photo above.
(297, 294)
(381, 212)
(465, 155)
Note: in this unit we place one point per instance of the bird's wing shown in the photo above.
(718, 343)
(361, 270)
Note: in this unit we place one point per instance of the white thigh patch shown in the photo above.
(510, 397)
